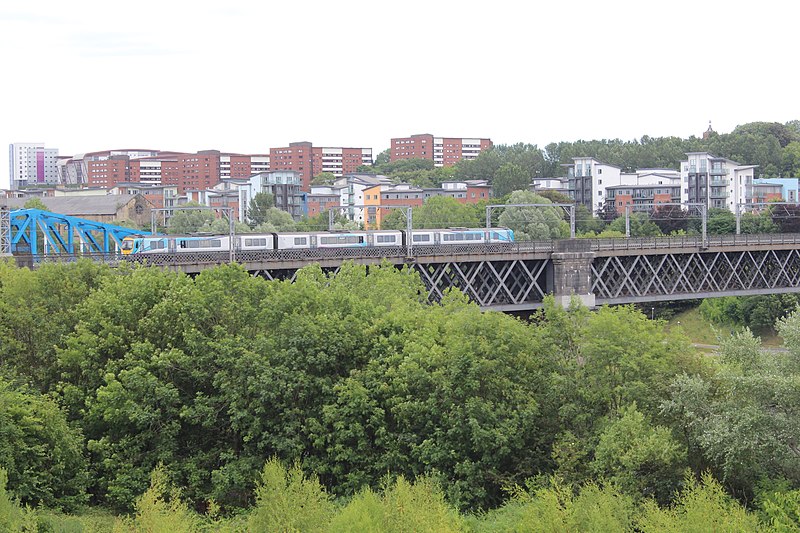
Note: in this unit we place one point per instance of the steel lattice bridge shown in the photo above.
(516, 277)
(37, 233)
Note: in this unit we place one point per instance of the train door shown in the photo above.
(437, 237)
(370, 239)
(312, 241)
(171, 245)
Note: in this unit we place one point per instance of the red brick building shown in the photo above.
(443, 151)
(309, 161)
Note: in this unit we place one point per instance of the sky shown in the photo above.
(243, 76)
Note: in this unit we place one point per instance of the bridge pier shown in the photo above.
(572, 267)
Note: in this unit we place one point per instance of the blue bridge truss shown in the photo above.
(37, 232)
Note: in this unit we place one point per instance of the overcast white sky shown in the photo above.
(244, 76)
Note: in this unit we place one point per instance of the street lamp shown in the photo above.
(652, 313)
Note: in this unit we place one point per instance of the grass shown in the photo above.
(701, 331)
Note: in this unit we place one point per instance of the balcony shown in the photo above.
(719, 183)
(719, 172)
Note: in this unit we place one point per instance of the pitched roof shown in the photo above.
(77, 205)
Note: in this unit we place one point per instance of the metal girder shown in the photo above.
(39, 232)
(658, 276)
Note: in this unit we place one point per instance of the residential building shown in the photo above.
(443, 151)
(382, 199)
(352, 188)
(159, 196)
(559, 185)
(643, 190)
(322, 198)
(467, 191)
(764, 190)
(588, 179)
(309, 161)
(242, 166)
(283, 185)
(32, 164)
(716, 182)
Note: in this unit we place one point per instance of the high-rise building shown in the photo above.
(443, 151)
(32, 164)
(309, 160)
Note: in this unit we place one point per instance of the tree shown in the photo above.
(35, 203)
(754, 223)
(720, 222)
(436, 212)
(383, 157)
(41, 452)
(190, 220)
(510, 177)
(275, 219)
(323, 178)
(532, 223)
(641, 460)
(639, 223)
(288, 500)
(259, 207)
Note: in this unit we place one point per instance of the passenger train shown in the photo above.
(307, 240)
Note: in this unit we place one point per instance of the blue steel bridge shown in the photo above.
(505, 277)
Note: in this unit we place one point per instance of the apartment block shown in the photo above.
(32, 164)
(308, 160)
(322, 198)
(380, 200)
(443, 151)
(643, 190)
(716, 182)
(588, 179)
(283, 185)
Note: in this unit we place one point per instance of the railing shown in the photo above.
(687, 241)
(421, 251)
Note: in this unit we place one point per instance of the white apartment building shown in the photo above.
(587, 180)
(283, 185)
(32, 164)
(716, 182)
(351, 189)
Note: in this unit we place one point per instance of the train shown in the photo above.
(152, 244)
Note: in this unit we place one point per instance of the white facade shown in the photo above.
(283, 185)
(150, 172)
(588, 179)
(351, 193)
(32, 164)
(715, 181)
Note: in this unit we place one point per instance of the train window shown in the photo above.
(300, 240)
(157, 245)
(255, 242)
(421, 238)
(387, 238)
(329, 240)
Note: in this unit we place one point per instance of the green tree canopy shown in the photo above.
(259, 207)
(436, 212)
(190, 220)
(531, 223)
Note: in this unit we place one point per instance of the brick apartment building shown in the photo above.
(443, 151)
(309, 160)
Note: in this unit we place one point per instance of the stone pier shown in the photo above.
(572, 266)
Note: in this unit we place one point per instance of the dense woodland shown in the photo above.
(146, 400)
